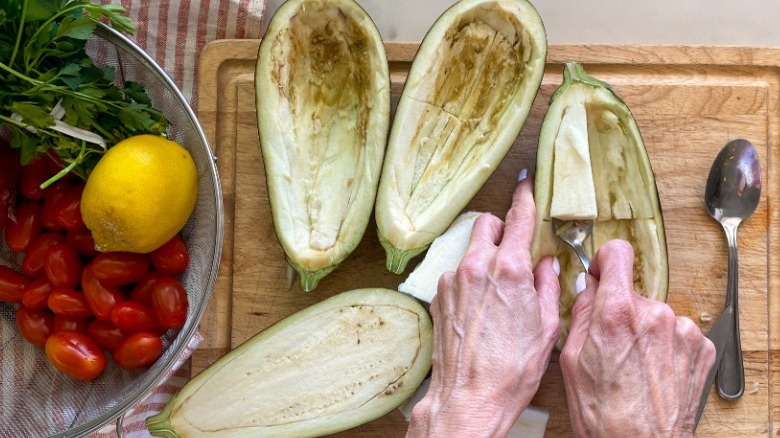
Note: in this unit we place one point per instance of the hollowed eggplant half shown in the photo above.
(323, 112)
(592, 164)
(466, 98)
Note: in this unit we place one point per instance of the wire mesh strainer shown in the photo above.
(35, 399)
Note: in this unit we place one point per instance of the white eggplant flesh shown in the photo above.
(333, 366)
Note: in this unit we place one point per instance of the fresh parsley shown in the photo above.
(53, 99)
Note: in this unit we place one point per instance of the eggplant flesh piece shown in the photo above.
(323, 101)
(337, 364)
(466, 97)
(624, 188)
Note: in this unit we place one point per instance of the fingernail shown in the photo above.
(556, 266)
(580, 284)
(522, 175)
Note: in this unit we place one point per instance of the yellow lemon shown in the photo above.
(140, 194)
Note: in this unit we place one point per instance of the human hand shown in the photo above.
(495, 324)
(630, 366)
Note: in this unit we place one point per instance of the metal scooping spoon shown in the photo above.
(732, 194)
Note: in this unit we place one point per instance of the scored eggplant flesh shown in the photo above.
(466, 98)
(322, 82)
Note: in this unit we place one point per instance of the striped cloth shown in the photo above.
(173, 32)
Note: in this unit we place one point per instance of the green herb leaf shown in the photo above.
(43, 63)
(78, 28)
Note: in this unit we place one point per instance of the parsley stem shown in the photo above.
(67, 168)
(19, 33)
(19, 74)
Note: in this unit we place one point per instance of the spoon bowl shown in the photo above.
(732, 195)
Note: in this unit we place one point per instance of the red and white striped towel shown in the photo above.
(173, 32)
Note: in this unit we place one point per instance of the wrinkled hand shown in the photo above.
(495, 325)
(631, 368)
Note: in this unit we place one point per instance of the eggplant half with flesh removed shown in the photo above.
(335, 365)
(591, 164)
(466, 98)
(323, 112)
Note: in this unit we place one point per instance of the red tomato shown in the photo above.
(142, 293)
(67, 212)
(139, 350)
(71, 323)
(36, 293)
(171, 258)
(32, 264)
(83, 241)
(35, 324)
(25, 226)
(105, 334)
(100, 297)
(132, 317)
(12, 285)
(169, 301)
(7, 199)
(75, 354)
(120, 268)
(51, 198)
(34, 173)
(10, 167)
(62, 266)
(69, 302)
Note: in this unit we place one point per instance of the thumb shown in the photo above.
(581, 312)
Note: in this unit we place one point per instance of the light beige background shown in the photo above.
(713, 22)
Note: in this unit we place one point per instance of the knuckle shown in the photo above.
(514, 268)
(521, 214)
(660, 314)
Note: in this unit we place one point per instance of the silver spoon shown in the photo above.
(732, 194)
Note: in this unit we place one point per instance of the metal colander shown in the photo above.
(36, 400)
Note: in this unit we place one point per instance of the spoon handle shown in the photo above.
(731, 372)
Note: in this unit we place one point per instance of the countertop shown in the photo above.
(696, 22)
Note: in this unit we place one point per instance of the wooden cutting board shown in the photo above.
(688, 102)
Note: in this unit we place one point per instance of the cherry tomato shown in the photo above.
(132, 317)
(32, 264)
(25, 226)
(100, 297)
(10, 167)
(71, 323)
(7, 199)
(83, 241)
(51, 198)
(138, 350)
(62, 266)
(34, 173)
(171, 258)
(142, 292)
(69, 302)
(75, 354)
(120, 268)
(12, 285)
(36, 293)
(169, 301)
(105, 334)
(67, 211)
(35, 324)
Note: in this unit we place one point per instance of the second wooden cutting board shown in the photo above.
(688, 102)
